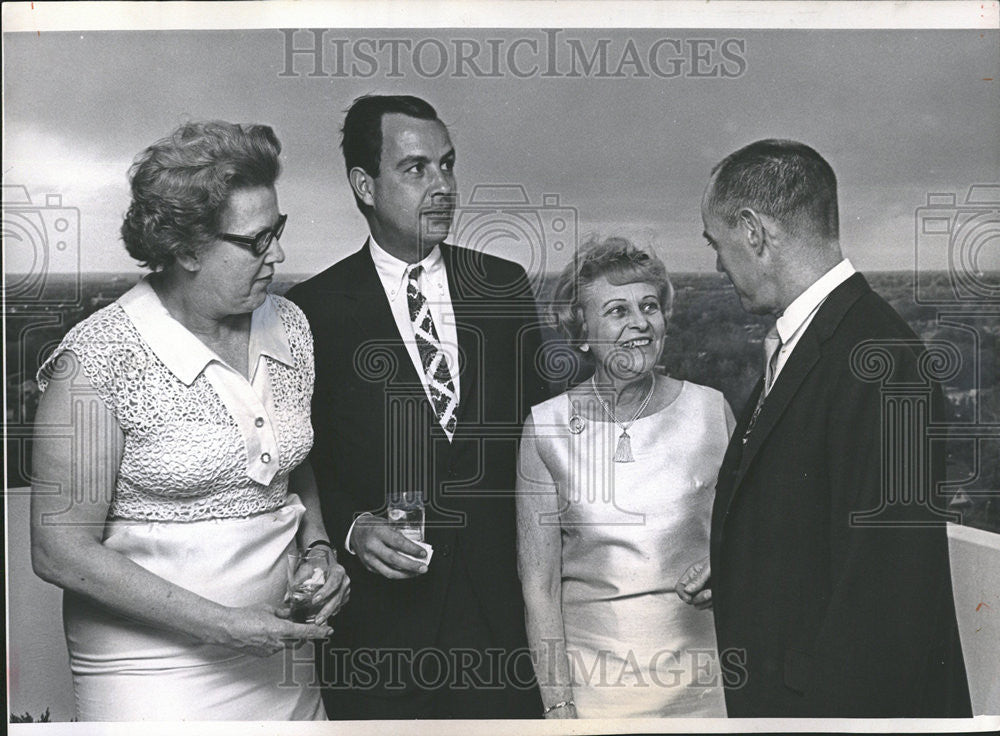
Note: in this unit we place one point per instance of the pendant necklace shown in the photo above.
(623, 453)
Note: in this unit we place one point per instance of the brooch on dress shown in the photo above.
(576, 422)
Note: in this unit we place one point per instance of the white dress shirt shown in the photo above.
(799, 314)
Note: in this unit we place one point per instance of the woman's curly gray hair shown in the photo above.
(615, 259)
(181, 184)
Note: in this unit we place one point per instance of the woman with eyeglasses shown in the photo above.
(169, 458)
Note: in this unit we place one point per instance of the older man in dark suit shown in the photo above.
(425, 369)
(831, 597)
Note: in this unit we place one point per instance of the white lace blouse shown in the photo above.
(201, 441)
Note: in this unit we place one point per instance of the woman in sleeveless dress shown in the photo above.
(615, 491)
(169, 458)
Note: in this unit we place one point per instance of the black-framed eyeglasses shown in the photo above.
(259, 243)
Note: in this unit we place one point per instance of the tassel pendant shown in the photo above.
(623, 453)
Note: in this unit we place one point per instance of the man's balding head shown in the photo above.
(785, 180)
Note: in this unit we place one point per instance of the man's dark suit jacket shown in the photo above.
(817, 616)
(375, 429)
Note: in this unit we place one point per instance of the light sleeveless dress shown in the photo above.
(201, 499)
(629, 530)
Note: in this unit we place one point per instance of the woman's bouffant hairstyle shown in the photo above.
(181, 184)
(615, 259)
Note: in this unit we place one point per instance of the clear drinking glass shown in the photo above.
(306, 575)
(406, 514)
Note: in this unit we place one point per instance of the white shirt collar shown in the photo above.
(268, 336)
(798, 312)
(184, 354)
(392, 272)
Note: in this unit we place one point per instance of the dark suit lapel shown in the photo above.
(804, 357)
(468, 329)
(368, 309)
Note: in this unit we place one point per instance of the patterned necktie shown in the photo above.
(432, 357)
(772, 346)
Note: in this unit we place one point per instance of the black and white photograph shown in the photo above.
(450, 367)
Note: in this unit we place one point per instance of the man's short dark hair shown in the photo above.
(786, 180)
(361, 136)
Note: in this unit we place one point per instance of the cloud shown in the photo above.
(50, 164)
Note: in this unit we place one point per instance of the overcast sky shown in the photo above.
(899, 114)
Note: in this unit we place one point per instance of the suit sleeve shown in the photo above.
(890, 589)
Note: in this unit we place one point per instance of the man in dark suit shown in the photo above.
(425, 370)
(829, 565)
